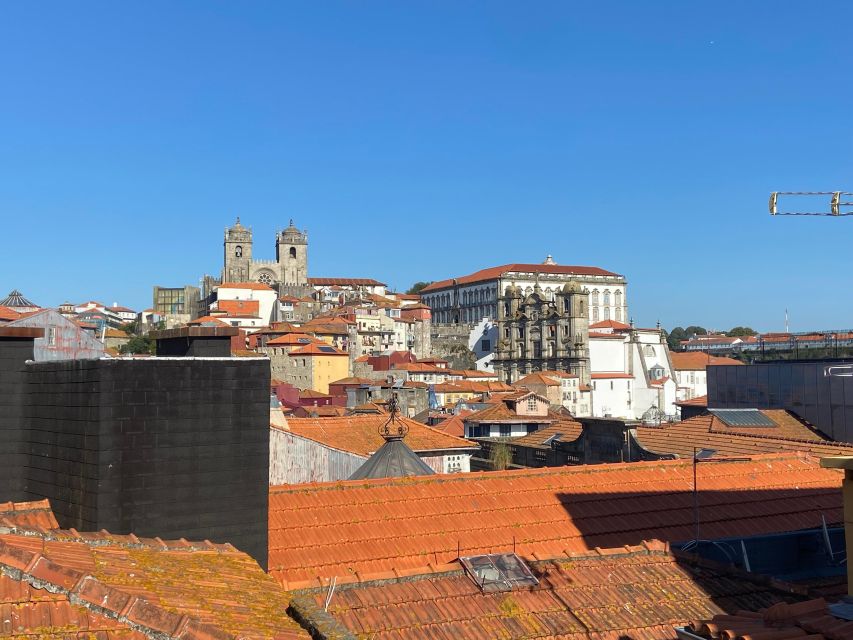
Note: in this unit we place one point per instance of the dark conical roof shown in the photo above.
(16, 299)
(394, 459)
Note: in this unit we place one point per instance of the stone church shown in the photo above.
(289, 269)
(536, 333)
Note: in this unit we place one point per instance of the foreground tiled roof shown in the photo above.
(706, 431)
(810, 619)
(359, 434)
(570, 430)
(638, 592)
(384, 525)
(8, 313)
(37, 514)
(60, 584)
(493, 273)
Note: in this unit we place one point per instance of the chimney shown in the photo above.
(846, 463)
(194, 341)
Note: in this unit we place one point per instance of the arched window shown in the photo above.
(618, 297)
(607, 298)
(595, 314)
(238, 251)
(619, 314)
(607, 313)
(292, 252)
(595, 297)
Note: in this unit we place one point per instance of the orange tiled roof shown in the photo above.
(8, 313)
(455, 424)
(382, 525)
(36, 514)
(115, 333)
(240, 307)
(810, 619)
(536, 378)
(697, 360)
(127, 587)
(494, 273)
(500, 412)
(698, 401)
(310, 393)
(359, 434)
(293, 339)
(710, 432)
(328, 411)
(606, 336)
(610, 324)
(641, 592)
(317, 349)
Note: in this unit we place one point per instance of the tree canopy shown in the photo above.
(737, 332)
(417, 287)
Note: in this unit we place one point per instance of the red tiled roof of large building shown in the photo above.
(697, 360)
(606, 336)
(639, 592)
(59, 584)
(493, 273)
(253, 286)
(359, 434)
(351, 282)
(240, 307)
(325, 530)
(708, 431)
(36, 514)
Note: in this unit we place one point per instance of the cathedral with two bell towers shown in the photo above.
(289, 269)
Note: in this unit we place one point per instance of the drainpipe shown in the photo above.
(845, 463)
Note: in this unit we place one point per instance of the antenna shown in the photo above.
(840, 203)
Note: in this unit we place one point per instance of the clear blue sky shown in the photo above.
(422, 140)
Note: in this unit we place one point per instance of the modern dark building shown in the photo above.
(168, 446)
(819, 391)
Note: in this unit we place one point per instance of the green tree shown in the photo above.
(138, 344)
(738, 332)
(417, 287)
(694, 330)
(674, 338)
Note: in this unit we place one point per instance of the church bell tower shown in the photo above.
(292, 255)
(238, 253)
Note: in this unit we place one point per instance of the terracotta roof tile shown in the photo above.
(293, 339)
(32, 515)
(570, 430)
(493, 273)
(610, 324)
(317, 349)
(811, 619)
(359, 434)
(639, 592)
(335, 529)
(536, 378)
(126, 587)
(698, 401)
(240, 307)
(707, 431)
(354, 282)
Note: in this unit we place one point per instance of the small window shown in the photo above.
(505, 430)
(498, 572)
(531, 404)
(51, 336)
(292, 252)
(487, 345)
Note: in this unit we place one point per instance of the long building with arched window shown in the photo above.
(472, 298)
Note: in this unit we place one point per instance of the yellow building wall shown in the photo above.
(327, 369)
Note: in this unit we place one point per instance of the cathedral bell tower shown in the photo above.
(291, 254)
(238, 253)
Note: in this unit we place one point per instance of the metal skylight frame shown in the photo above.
(498, 572)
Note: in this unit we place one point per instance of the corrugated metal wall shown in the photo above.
(295, 460)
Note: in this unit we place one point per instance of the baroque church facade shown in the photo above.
(289, 269)
(537, 332)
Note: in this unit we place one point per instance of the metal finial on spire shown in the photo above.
(291, 222)
(238, 219)
(393, 429)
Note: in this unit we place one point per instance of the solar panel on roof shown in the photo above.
(551, 439)
(742, 417)
(327, 349)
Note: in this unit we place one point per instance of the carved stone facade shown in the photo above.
(290, 267)
(541, 333)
